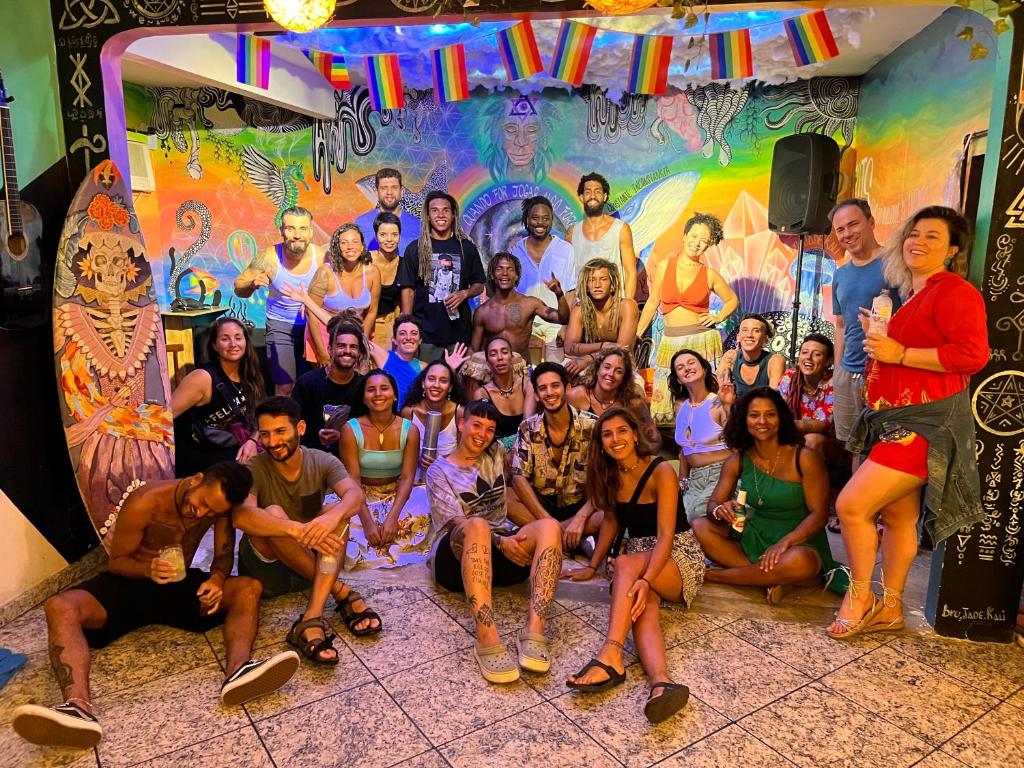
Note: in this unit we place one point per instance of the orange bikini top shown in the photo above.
(697, 296)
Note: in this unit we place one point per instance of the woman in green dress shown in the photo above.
(765, 523)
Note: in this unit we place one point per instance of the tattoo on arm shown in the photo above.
(61, 670)
(544, 579)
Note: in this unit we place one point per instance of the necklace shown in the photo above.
(627, 470)
(382, 432)
(771, 473)
(505, 392)
(547, 430)
(604, 404)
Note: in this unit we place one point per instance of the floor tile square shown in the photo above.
(815, 726)
(994, 740)
(911, 695)
(540, 736)
(146, 654)
(731, 675)
(431, 759)
(939, 759)
(14, 751)
(360, 728)
(151, 720)
(511, 608)
(993, 668)
(382, 596)
(1017, 699)
(25, 634)
(803, 646)
(615, 719)
(448, 697)
(413, 634)
(728, 748)
(242, 748)
(34, 683)
(277, 615)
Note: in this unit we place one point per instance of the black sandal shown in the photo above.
(673, 698)
(312, 649)
(351, 617)
(614, 678)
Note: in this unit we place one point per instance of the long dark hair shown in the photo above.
(676, 387)
(249, 373)
(796, 384)
(603, 480)
(424, 246)
(738, 437)
(628, 390)
(416, 395)
(334, 257)
(359, 406)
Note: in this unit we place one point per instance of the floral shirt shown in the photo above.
(531, 457)
(816, 405)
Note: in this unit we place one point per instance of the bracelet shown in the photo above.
(714, 512)
(684, 483)
(902, 355)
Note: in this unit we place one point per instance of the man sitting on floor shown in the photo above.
(468, 523)
(289, 482)
(549, 457)
(142, 587)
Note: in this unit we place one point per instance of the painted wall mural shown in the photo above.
(226, 166)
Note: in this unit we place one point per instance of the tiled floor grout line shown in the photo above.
(180, 747)
(576, 725)
(943, 672)
(766, 744)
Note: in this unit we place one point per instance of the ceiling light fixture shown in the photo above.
(300, 15)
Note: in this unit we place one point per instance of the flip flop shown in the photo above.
(673, 698)
(614, 678)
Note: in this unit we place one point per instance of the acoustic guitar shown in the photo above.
(22, 298)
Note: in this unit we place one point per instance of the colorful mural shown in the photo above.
(227, 166)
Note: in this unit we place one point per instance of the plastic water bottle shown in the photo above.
(881, 311)
(736, 530)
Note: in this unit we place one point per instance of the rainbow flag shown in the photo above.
(450, 81)
(252, 58)
(332, 66)
(572, 51)
(519, 51)
(730, 55)
(384, 81)
(648, 66)
(810, 37)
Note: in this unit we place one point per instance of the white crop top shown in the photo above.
(696, 430)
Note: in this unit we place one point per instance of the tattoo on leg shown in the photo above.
(544, 579)
(483, 614)
(615, 644)
(65, 678)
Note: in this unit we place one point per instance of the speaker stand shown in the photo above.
(796, 301)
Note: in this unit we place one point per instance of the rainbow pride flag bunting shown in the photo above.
(810, 37)
(384, 81)
(450, 81)
(252, 57)
(648, 66)
(333, 67)
(519, 51)
(730, 55)
(572, 51)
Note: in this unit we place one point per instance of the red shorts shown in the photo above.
(909, 455)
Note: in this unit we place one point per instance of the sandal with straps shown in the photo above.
(853, 627)
(352, 617)
(614, 678)
(890, 599)
(312, 648)
(672, 699)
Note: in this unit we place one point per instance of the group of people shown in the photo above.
(379, 456)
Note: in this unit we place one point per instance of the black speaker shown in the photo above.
(804, 184)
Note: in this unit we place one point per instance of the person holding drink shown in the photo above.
(436, 390)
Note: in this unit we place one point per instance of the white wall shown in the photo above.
(28, 559)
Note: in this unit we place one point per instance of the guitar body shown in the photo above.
(23, 300)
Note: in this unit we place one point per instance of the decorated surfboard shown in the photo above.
(109, 350)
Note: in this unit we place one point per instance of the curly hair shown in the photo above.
(424, 246)
(735, 433)
(796, 385)
(416, 395)
(603, 481)
(334, 256)
(359, 407)
(587, 308)
(628, 390)
(528, 205)
(593, 176)
(895, 269)
(679, 392)
(249, 373)
(708, 220)
(492, 265)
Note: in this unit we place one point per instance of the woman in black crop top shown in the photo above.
(662, 560)
(507, 390)
(214, 406)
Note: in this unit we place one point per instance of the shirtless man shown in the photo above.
(141, 587)
(602, 236)
(602, 319)
(290, 264)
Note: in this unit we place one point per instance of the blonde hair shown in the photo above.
(587, 308)
(895, 269)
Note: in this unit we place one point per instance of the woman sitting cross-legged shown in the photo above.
(782, 538)
(381, 451)
(662, 560)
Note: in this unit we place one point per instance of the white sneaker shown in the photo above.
(65, 726)
(258, 678)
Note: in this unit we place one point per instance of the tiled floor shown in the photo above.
(768, 689)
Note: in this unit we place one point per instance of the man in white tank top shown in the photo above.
(602, 236)
(291, 263)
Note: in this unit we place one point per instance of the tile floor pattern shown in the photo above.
(768, 688)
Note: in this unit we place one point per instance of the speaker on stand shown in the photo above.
(803, 189)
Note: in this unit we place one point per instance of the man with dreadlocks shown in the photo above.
(438, 274)
(603, 318)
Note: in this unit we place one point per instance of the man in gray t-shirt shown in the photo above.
(291, 481)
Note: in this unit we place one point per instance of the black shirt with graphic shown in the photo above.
(312, 391)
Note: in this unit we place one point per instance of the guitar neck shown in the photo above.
(12, 195)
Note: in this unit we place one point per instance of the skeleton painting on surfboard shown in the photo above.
(109, 350)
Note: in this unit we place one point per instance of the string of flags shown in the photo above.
(810, 39)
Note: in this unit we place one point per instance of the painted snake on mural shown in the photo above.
(821, 105)
(717, 105)
(275, 182)
(194, 210)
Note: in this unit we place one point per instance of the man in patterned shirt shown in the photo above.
(549, 461)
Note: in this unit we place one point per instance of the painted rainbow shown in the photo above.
(333, 68)
(252, 59)
(810, 38)
(384, 80)
(519, 52)
(730, 55)
(572, 51)
(450, 80)
(648, 66)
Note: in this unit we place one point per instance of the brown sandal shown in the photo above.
(312, 648)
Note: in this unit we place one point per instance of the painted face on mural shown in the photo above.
(296, 233)
(230, 342)
(593, 198)
(519, 139)
(539, 221)
(854, 231)
(927, 247)
(813, 359)
(440, 214)
(388, 237)
(389, 194)
(279, 437)
(751, 335)
(697, 241)
(599, 285)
